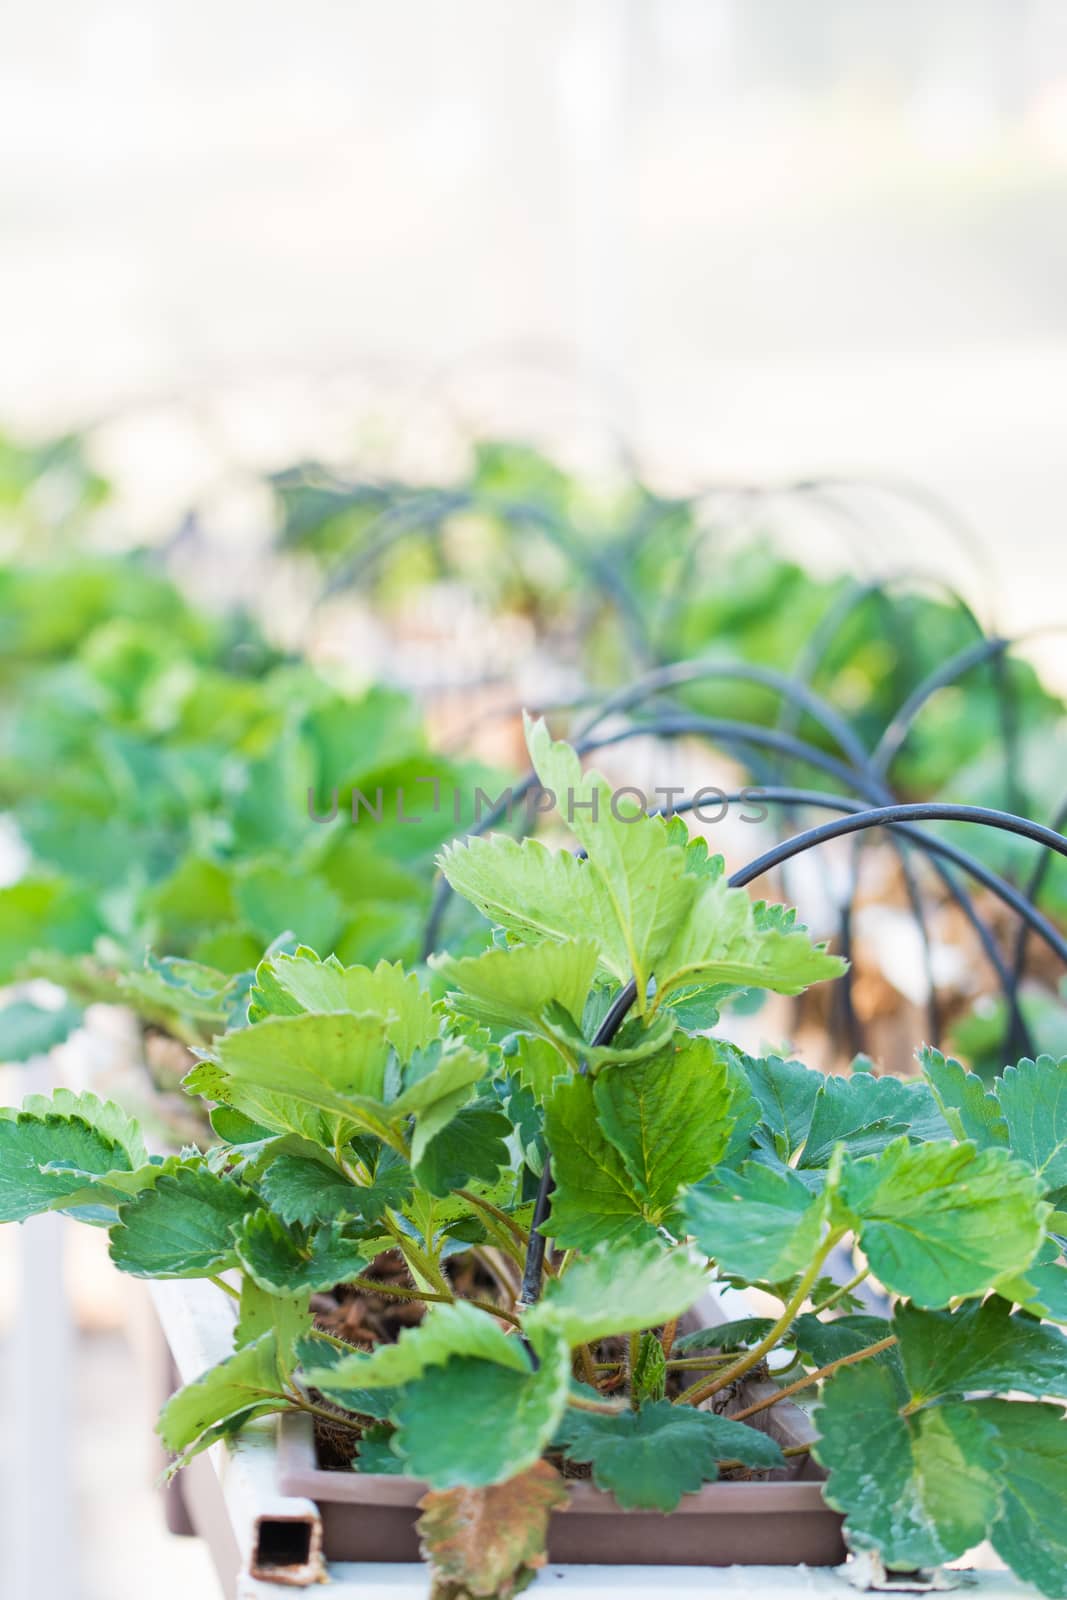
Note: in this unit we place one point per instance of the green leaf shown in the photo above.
(48, 1159)
(619, 1289)
(470, 1144)
(302, 1190)
(979, 1346)
(108, 1119)
(725, 1336)
(287, 986)
(186, 989)
(595, 1200)
(723, 940)
(44, 914)
(1030, 1533)
(867, 1113)
(641, 885)
(288, 1317)
(375, 1453)
(243, 1382)
(938, 1221)
(474, 1422)
(821, 1342)
(28, 1030)
(786, 1092)
(1033, 1100)
(335, 1062)
(649, 1459)
(279, 1112)
(447, 1331)
(757, 1223)
(284, 1262)
(1043, 1290)
(669, 1117)
(967, 1106)
(180, 1228)
(919, 1489)
(273, 900)
(513, 987)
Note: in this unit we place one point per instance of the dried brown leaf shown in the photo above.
(487, 1544)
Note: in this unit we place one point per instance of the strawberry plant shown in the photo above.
(162, 774)
(557, 1174)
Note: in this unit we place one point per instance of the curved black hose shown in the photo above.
(857, 822)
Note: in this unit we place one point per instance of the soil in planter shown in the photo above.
(364, 1320)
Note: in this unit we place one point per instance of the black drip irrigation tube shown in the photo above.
(839, 827)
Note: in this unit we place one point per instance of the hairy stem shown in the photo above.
(420, 1263)
(602, 1408)
(518, 1233)
(753, 1357)
(668, 1336)
(814, 1377)
(227, 1288)
(369, 1286)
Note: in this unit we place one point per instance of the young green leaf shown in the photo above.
(303, 1190)
(722, 941)
(970, 1110)
(819, 1342)
(649, 1459)
(287, 986)
(668, 1116)
(513, 987)
(335, 1062)
(182, 1227)
(640, 873)
(284, 1262)
(595, 1199)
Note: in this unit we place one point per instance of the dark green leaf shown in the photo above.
(650, 1458)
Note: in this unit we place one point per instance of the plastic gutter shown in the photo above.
(261, 1540)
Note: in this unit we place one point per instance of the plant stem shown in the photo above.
(602, 1408)
(519, 1233)
(227, 1288)
(838, 1294)
(790, 1450)
(667, 1337)
(419, 1263)
(814, 1377)
(370, 1287)
(753, 1357)
(585, 1355)
(635, 1350)
(696, 1363)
